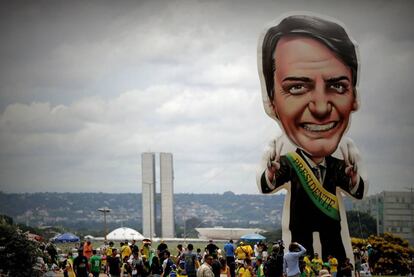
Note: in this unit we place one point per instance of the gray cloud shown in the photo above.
(87, 87)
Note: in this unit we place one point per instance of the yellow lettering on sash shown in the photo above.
(322, 196)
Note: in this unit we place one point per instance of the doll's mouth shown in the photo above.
(319, 127)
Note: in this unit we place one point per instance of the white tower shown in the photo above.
(167, 195)
(148, 194)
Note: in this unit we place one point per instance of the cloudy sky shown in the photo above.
(86, 87)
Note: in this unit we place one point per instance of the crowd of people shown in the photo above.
(128, 259)
(298, 262)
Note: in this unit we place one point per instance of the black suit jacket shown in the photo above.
(304, 215)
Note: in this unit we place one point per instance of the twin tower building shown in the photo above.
(149, 195)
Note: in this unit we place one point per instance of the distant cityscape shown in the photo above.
(394, 211)
(80, 210)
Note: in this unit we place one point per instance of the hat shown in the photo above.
(275, 247)
(324, 272)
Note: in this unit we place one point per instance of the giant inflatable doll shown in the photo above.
(308, 68)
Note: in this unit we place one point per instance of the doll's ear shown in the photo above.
(355, 104)
(274, 108)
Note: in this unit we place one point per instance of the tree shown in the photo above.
(6, 219)
(190, 225)
(187, 228)
(360, 224)
(389, 254)
(273, 236)
(17, 253)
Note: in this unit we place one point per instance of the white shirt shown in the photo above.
(205, 271)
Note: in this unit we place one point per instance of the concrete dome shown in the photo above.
(124, 233)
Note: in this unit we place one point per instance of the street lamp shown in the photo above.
(104, 211)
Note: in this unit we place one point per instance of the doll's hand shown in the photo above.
(273, 157)
(352, 158)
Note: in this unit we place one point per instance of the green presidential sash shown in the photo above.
(323, 199)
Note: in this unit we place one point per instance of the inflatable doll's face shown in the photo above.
(314, 95)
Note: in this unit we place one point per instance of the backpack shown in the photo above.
(168, 268)
(190, 263)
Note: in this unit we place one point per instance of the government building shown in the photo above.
(393, 211)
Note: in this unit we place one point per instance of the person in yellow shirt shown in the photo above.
(125, 250)
(247, 269)
(249, 250)
(316, 263)
(69, 266)
(108, 250)
(308, 266)
(333, 262)
(244, 251)
(108, 253)
(240, 254)
(146, 248)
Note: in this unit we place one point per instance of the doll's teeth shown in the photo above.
(318, 127)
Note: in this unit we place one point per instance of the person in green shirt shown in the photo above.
(259, 267)
(95, 262)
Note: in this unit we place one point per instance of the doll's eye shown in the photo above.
(297, 88)
(339, 87)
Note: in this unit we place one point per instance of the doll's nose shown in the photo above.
(320, 106)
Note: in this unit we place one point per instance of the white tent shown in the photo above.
(124, 233)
